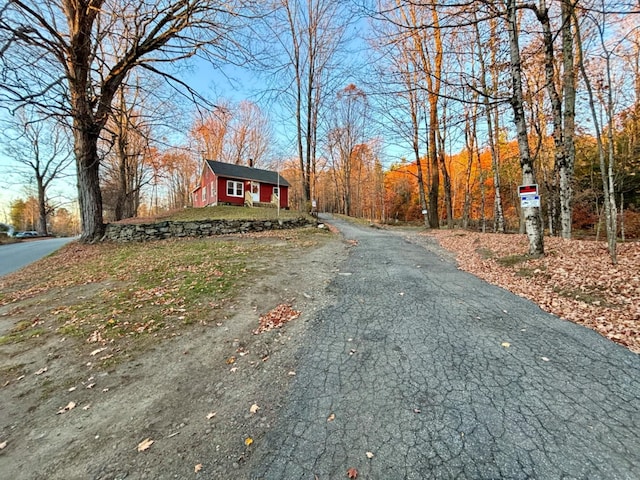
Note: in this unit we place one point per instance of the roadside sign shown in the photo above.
(528, 201)
(528, 190)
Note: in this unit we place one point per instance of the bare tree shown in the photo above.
(348, 131)
(124, 171)
(310, 35)
(605, 149)
(179, 172)
(491, 115)
(250, 135)
(43, 149)
(70, 57)
(210, 132)
(401, 101)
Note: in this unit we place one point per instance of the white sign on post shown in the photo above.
(528, 201)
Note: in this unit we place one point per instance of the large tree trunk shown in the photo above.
(89, 194)
(42, 207)
(533, 223)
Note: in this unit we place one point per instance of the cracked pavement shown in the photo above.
(441, 375)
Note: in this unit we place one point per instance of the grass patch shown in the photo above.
(484, 253)
(155, 287)
(225, 212)
(590, 298)
(20, 332)
(511, 260)
(132, 295)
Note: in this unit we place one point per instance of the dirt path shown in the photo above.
(192, 395)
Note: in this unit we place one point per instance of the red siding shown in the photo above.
(219, 195)
(210, 197)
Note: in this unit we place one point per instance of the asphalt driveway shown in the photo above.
(417, 370)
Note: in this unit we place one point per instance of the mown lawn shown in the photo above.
(221, 212)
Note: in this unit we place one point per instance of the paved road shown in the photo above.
(14, 256)
(412, 359)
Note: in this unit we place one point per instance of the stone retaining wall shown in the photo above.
(202, 228)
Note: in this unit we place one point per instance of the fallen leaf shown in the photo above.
(87, 406)
(97, 351)
(292, 373)
(352, 473)
(231, 360)
(276, 318)
(233, 369)
(41, 371)
(545, 359)
(70, 406)
(197, 468)
(71, 389)
(416, 410)
(254, 408)
(91, 385)
(331, 417)
(248, 441)
(211, 415)
(505, 344)
(2, 445)
(369, 455)
(145, 444)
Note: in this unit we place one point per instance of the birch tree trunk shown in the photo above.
(533, 223)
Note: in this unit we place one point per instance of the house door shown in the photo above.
(255, 191)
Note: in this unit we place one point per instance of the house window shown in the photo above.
(276, 191)
(235, 189)
(204, 194)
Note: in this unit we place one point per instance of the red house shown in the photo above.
(227, 183)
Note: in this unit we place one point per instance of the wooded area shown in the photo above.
(476, 97)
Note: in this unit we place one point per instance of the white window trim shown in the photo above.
(234, 188)
(276, 189)
(204, 194)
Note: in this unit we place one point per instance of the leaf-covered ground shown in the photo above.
(574, 280)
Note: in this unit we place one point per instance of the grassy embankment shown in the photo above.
(134, 293)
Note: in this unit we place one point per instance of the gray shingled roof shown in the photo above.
(231, 170)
